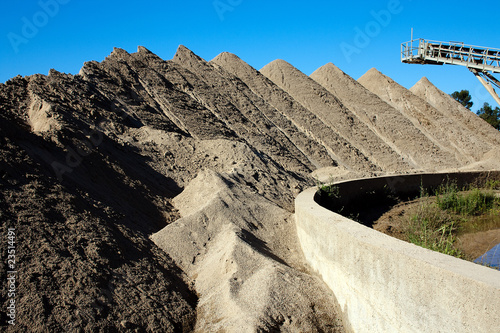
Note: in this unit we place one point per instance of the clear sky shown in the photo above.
(354, 35)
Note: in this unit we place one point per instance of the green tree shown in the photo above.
(463, 97)
(490, 115)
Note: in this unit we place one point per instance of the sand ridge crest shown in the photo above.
(334, 114)
(425, 117)
(387, 122)
(475, 126)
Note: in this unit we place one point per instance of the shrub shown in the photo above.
(439, 220)
(433, 230)
(472, 202)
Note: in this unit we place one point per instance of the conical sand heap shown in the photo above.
(334, 114)
(389, 123)
(455, 139)
(456, 111)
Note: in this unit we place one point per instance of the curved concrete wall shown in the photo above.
(387, 285)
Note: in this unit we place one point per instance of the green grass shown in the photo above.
(439, 220)
(492, 184)
(473, 202)
(328, 189)
(332, 192)
(433, 230)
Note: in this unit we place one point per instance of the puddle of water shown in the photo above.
(490, 258)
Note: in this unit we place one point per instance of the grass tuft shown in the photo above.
(473, 202)
(441, 219)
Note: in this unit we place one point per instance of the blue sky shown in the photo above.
(354, 35)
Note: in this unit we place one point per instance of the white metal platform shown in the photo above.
(481, 61)
(421, 51)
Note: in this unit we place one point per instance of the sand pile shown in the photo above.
(188, 107)
(335, 115)
(341, 151)
(490, 161)
(387, 122)
(289, 116)
(83, 256)
(486, 136)
(243, 254)
(230, 98)
(132, 132)
(455, 139)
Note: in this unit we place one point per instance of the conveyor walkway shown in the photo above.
(481, 61)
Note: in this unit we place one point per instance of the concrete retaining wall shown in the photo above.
(387, 285)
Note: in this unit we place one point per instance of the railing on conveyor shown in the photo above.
(422, 51)
(481, 61)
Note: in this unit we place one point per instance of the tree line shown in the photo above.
(487, 112)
